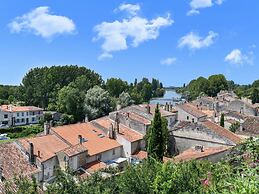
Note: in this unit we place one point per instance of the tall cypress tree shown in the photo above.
(222, 120)
(157, 136)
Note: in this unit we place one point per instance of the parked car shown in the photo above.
(4, 136)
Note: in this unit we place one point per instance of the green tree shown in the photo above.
(157, 136)
(97, 103)
(234, 127)
(217, 83)
(70, 101)
(255, 96)
(125, 99)
(222, 120)
(116, 86)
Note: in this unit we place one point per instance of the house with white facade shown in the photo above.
(11, 115)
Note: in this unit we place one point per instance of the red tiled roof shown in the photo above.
(47, 146)
(14, 162)
(11, 108)
(96, 140)
(191, 109)
(74, 150)
(192, 154)
(222, 131)
(95, 166)
(129, 134)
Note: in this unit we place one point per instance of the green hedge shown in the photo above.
(22, 131)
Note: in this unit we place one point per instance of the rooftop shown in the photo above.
(251, 125)
(222, 131)
(14, 162)
(192, 154)
(95, 140)
(45, 147)
(128, 133)
(191, 109)
(11, 108)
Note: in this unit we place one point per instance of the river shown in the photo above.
(170, 97)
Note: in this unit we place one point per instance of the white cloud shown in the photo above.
(132, 9)
(194, 41)
(104, 56)
(40, 22)
(119, 35)
(168, 61)
(200, 4)
(238, 58)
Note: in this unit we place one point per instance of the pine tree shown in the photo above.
(157, 136)
(222, 120)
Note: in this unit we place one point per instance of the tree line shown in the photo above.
(76, 91)
(215, 83)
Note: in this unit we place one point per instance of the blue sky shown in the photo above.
(172, 40)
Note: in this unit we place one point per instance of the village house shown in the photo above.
(204, 133)
(190, 112)
(250, 127)
(19, 115)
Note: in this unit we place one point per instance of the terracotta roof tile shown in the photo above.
(222, 131)
(95, 166)
(192, 154)
(14, 162)
(191, 109)
(129, 134)
(47, 146)
(74, 150)
(11, 108)
(96, 140)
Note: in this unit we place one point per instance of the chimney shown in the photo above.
(170, 107)
(1, 172)
(117, 123)
(46, 128)
(199, 148)
(39, 153)
(80, 139)
(31, 153)
(111, 132)
(148, 109)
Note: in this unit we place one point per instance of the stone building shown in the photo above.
(190, 112)
(205, 133)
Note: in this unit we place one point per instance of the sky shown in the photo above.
(172, 40)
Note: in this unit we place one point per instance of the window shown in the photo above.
(17, 120)
(187, 117)
(32, 119)
(22, 121)
(22, 114)
(113, 151)
(6, 116)
(193, 120)
(27, 113)
(18, 114)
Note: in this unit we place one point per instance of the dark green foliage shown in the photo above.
(222, 120)
(157, 137)
(210, 86)
(41, 85)
(234, 127)
(71, 101)
(255, 95)
(67, 119)
(116, 86)
(22, 131)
